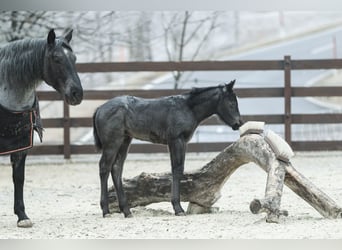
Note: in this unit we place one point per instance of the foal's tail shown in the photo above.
(97, 140)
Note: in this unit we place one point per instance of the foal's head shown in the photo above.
(227, 108)
(59, 68)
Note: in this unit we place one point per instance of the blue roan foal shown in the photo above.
(168, 120)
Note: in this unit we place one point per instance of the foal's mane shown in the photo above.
(198, 91)
(195, 96)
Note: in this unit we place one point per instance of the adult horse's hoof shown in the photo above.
(25, 223)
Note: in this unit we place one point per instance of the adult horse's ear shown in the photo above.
(230, 86)
(68, 36)
(51, 37)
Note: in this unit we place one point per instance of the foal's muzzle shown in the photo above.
(237, 125)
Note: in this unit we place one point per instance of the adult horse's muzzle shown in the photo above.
(74, 94)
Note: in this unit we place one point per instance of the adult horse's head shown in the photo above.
(228, 108)
(59, 68)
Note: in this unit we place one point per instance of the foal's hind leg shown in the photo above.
(106, 162)
(117, 177)
(18, 174)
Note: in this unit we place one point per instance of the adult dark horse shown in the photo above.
(168, 120)
(24, 64)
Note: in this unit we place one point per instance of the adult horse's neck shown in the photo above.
(21, 71)
(203, 102)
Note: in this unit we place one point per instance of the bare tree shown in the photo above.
(96, 34)
(185, 35)
(20, 24)
(139, 38)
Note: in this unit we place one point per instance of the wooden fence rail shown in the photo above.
(287, 118)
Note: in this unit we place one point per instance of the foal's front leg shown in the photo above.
(177, 153)
(18, 174)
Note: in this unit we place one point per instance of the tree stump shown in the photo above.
(202, 188)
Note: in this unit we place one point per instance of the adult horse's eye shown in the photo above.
(57, 58)
(73, 58)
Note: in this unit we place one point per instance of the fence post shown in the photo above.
(287, 98)
(66, 130)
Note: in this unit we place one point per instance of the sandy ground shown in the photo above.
(62, 199)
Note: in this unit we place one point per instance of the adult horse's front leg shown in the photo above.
(18, 174)
(177, 150)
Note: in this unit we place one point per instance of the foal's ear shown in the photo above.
(51, 37)
(230, 86)
(68, 36)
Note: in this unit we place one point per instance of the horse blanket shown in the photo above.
(16, 129)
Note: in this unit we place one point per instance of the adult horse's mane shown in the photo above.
(18, 62)
(21, 60)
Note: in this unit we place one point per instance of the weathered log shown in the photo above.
(202, 188)
(273, 193)
(311, 194)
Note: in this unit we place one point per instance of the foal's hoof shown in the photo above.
(25, 223)
(129, 216)
(180, 214)
(107, 215)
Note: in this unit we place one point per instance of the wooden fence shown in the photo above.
(287, 118)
